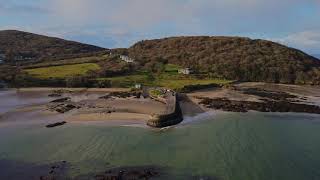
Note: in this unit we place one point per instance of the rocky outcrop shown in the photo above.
(265, 106)
(62, 105)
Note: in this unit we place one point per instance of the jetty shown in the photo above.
(171, 116)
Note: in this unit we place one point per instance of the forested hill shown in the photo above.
(18, 45)
(232, 58)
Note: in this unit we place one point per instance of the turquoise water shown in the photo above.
(251, 146)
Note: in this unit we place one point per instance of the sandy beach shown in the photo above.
(35, 103)
(89, 106)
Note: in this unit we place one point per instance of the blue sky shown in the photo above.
(120, 23)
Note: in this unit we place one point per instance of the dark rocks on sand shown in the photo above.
(63, 107)
(66, 108)
(129, 173)
(55, 125)
(66, 99)
(266, 106)
(54, 95)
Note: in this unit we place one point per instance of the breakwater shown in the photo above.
(172, 114)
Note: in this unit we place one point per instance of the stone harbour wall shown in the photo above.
(171, 116)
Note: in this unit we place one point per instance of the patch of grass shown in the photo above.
(155, 92)
(180, 83)
(172, 68)
(130, 80)
(62, 71)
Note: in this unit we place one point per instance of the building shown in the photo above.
(185, 71)
(138, 86)
(126, 59)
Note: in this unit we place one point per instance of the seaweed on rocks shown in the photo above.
(266, 106)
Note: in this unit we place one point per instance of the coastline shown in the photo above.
(91, 106)
(49, 89)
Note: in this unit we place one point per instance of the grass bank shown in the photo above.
(63, 71)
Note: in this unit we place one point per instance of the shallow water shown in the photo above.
(12, 99)
(229, 146)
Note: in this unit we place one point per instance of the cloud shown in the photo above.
(125, 21)
(215, 15)
(11, 8)
(306, 40)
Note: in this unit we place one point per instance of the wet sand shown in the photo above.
(33, 107)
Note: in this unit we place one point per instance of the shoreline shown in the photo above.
(49, 89)
(89, 105)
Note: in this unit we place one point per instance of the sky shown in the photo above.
(121, 23)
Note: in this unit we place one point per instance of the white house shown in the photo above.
(137, 86)
(126, 59)
(185, 71)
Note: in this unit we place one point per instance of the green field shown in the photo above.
(172, 68)
(62, 71)
(168, 80)
(92, 59)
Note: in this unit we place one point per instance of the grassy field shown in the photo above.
(171, 68)
(130, 80)
(179, 81)
(167, 79)
(62, 71)
(92, 59)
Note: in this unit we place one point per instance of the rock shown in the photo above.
(55, 125)
(65, 108)
(54, 95)
(61, 100)
(62, 107)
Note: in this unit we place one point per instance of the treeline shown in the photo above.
(232, 58)
(23, 46)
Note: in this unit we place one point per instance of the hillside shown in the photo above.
(20, 46)
(231, 58)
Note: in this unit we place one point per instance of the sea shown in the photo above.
(219, 146)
